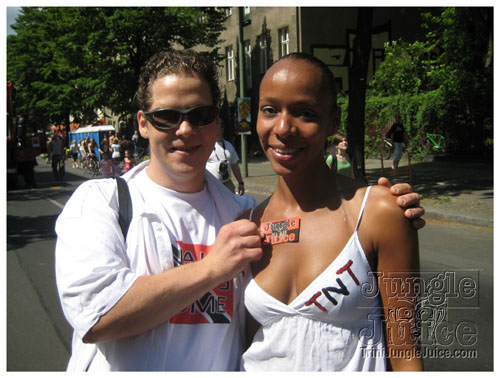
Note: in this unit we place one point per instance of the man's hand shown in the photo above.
(241, 188)
(408, 200)
(154, 299)
(237, 244)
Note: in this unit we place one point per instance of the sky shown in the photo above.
(11, 17)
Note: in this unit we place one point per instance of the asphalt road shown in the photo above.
(457, 260)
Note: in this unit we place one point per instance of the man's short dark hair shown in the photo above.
(175, 62)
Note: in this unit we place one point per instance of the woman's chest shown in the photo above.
(325, 259)
(343, 291)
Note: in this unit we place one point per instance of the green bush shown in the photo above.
(420, 114)
(441, 86)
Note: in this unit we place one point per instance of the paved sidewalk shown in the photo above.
(452, 190)
(459, 190)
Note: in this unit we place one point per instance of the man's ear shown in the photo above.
(143, 127)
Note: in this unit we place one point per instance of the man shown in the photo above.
(57, 154)
(398, 137)
(166, 297)
(222, 157)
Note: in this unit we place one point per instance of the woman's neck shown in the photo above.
(305, 191)
(342, 153)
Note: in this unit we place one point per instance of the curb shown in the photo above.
(258, 188)
(265, 189)
(431, 213)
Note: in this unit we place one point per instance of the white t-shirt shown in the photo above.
(116, 151)
(220, 154)
(94, 270)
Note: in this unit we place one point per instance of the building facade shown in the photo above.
(325, 32)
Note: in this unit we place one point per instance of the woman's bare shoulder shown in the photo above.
(382, 200)
(382, 211)
(384, 227)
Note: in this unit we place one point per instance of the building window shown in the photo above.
(248, 63)
(230, 63)
(284, 42)
(246, 16)
(263, 53)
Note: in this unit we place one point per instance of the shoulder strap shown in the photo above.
(224, 148)
(124, 205)
(367, 192)
(251, 214)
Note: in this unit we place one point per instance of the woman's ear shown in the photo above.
(143, 127)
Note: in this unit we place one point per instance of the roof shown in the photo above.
(92, 129)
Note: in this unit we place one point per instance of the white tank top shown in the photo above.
(335, 324)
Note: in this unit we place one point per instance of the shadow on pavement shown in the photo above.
(22, 231)
(448, 178)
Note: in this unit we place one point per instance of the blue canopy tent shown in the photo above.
(96, 132)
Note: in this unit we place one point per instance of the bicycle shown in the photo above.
(96, 169)
(434, 142)
(92, 167)
(386, 148)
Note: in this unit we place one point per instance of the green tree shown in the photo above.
(75, 60)
(444, 84)
(464, 71)
(403, 70)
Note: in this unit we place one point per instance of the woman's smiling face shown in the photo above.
(296, 114)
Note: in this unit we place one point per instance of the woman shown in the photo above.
(105, 145)
(115, 148)
(341, 162)
(83, 153)
(74, 150)
(314, 294)
(128, 161)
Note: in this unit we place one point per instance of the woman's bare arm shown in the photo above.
(396, 245)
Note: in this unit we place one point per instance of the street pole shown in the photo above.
(241, 64)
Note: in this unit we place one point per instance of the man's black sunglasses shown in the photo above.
(167, 119)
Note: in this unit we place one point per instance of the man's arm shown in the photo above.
(407, 200)
(103, 298)
(153, 300)
(237, 174)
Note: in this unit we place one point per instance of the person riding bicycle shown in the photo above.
(92, 149)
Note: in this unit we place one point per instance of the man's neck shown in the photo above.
(184, 183)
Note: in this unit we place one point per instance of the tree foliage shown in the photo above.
(443, 84)
(74, 60)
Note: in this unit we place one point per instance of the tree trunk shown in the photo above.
(358, 72)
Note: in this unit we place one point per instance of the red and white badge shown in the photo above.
(281, 231)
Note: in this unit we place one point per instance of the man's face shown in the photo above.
(179, 155)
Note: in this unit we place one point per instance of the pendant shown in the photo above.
(281, 231)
